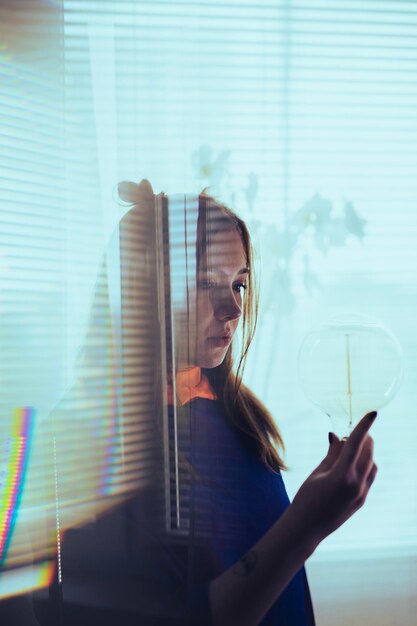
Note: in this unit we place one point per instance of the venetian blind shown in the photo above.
(32, 301)
(308, 98)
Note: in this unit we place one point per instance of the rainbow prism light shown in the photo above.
(14, 462)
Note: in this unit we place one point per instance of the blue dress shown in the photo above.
(127, 569)
(234, 499)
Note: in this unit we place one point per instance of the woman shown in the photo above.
(236, 551)
(247, 543)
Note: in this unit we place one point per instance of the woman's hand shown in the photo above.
(338, 487)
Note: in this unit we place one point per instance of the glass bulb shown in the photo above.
(349, 366)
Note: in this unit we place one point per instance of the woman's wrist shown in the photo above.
(306, 535)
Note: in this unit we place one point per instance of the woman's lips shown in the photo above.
(221, 341)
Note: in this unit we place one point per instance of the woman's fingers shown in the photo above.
(365, 460)
(335, 445)
(332, 453)
(366, 484)
(372, 474)
(339, 486)
(353, 446)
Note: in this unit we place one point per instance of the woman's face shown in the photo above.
(221, 282)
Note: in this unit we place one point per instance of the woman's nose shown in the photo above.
(225, 305)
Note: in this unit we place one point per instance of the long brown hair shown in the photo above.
(240, 405)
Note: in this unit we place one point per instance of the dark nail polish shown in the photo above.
(372, 415)
(331, 438)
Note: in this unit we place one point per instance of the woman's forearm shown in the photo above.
(245, 592)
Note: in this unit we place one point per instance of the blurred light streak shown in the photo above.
(15, 460)
(26, 579)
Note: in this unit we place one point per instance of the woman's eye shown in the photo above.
(239, 287)
(206, 284)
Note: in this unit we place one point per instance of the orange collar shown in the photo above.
(190, 383)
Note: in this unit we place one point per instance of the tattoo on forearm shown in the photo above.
(246, 564)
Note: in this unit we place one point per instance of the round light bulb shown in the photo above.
(349, 366)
